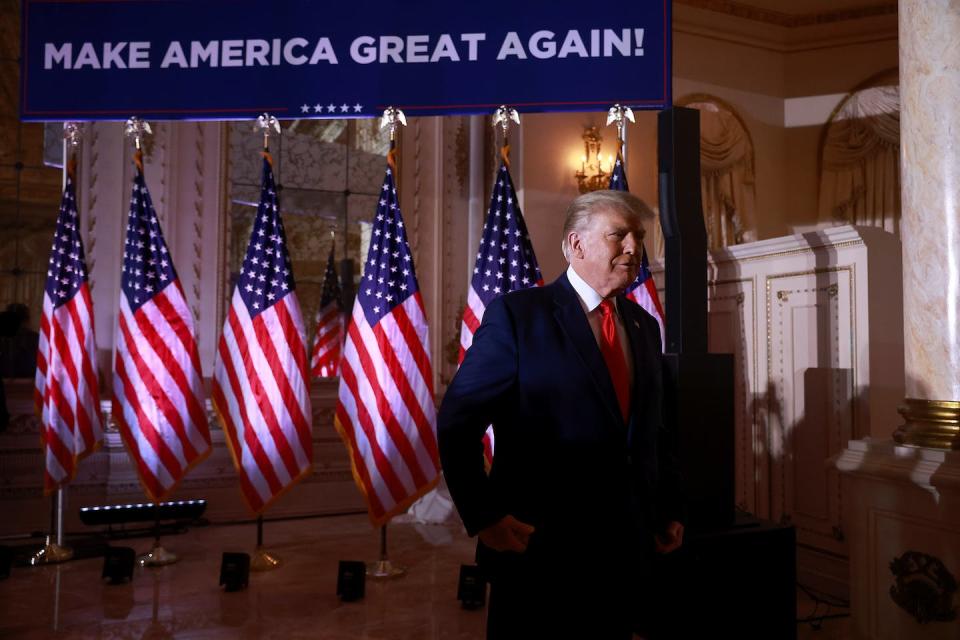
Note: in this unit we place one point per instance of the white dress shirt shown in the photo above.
(590, 301)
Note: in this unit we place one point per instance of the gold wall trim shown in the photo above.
(929, 423)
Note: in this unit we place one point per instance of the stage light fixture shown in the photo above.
(471, 587)
(118, 564)
(234, 571)
(351, 580)
(112, 514)
(6, 561)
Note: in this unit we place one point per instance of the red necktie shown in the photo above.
(612, 352)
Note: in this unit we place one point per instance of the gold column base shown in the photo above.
(929, 423)
(51, 553)
(383, 569)
(263, 560)
(157, 557)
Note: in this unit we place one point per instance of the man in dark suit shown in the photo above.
(583, 487)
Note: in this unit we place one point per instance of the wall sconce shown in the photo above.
(591, 175)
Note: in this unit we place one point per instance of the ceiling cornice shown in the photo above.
(788, 20)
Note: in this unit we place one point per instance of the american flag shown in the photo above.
(325, 359)
(386, 413)
(67, 396)
(260, 385)
(505, 262)
(643, 291)
(157, 383)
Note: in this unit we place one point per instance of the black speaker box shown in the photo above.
(471, 587)
(699, 397)
(351, 580)
(739, 582)
(118, 564)
(234, 571)
(6, 561)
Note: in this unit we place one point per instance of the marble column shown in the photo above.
(930, 231)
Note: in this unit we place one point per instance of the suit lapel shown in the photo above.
(569, 314)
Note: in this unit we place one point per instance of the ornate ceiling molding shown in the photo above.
(789, 20)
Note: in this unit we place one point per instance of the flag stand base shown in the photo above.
(157, 557)
(263, 560)
(51, 553)
(383, 569)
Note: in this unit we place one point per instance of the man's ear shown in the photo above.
(575, 244)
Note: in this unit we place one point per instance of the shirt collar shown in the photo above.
(589, 298)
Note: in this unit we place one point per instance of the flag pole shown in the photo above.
(384, 568)
(618, 114)
(158, 556)
(262, 559)
(53, 550)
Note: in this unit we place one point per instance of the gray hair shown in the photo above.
(585, 205)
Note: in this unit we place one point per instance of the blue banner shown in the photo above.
(223, 59)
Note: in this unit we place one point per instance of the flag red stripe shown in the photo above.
(150, 481)
(64, 411)
(169, 362)
(384, 468)
(262, 395)
(220, 401)
(399, 438)
(156, 390)
(178, 323)
(78, 414)
(359, 464)
(330, 312)
(412, 339)
(83, 419)
(651, 287)
(470, 319)
(291, 335)
(56, 447)
(42, 354)
(249, 435)
(87, 362)
(324, 339)
(424, 428)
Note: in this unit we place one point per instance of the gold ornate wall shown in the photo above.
(29, 190)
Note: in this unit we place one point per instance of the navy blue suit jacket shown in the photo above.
(565, 460)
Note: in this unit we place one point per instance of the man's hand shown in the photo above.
(509, 534)
(670, 539)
